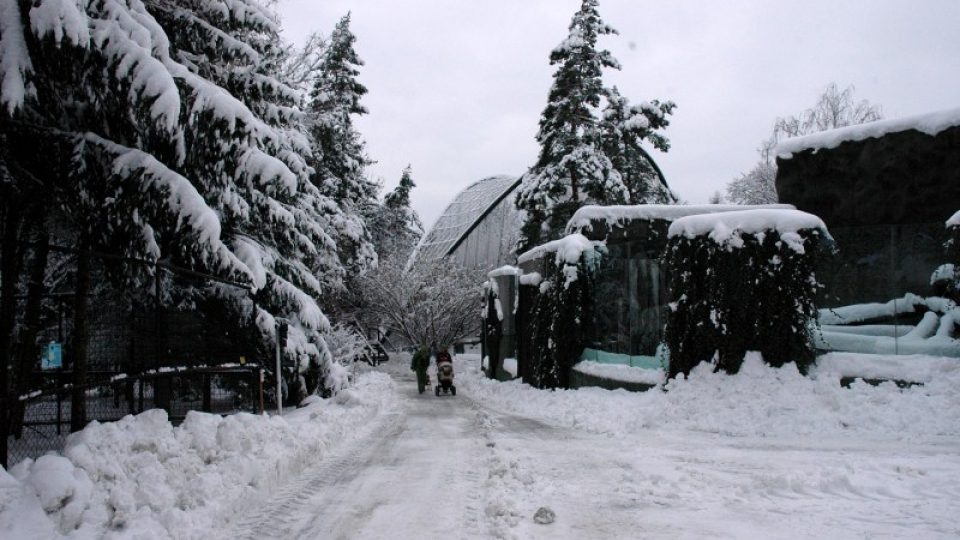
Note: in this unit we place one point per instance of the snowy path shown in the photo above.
(414, 474)
(453, 468)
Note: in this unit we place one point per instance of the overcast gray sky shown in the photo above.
(457, 87)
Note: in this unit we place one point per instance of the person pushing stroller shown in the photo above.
(444, 373)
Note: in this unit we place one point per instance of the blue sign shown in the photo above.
(52, 356)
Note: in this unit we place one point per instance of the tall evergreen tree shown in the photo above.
(162, 132)
(339, 157)
(571, 169)
(624, 127)
(256, 168)
(396, 226)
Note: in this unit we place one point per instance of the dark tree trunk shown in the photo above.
(29, 351)
(78, 416)
(9, 273)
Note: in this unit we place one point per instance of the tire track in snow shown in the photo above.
(274, 519)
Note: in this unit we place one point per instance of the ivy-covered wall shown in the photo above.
(555, 314)
(729, 299)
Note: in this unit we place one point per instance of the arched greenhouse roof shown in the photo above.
(485, 200)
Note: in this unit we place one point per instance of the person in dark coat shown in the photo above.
(419, 363)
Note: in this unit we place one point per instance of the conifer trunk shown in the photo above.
(29, 352)
(9, 272)
(78, 415)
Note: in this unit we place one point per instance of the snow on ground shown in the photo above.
(141, 477)
(766, 453)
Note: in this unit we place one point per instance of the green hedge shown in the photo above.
(729, 300)
(559, 321)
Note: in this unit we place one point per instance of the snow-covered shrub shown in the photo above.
(492, 330)
(743, 281)
(345, 343)
(947, 275)
(431, 301)
(558, 319)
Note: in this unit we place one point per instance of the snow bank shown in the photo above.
(930, 123)
(584, 218)
(911, 368)
(510, 366)
(620, 372)
(143, 477)
(726, 228)
(759, 401)
(567, 249)
(954, 220)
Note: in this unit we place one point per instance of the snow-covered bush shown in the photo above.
(947, 275)
(432, 301)
(743, 281)
(345, 343)
(559, 317)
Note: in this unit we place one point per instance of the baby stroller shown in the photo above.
(445, 379)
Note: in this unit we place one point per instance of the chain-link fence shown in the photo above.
(40, 420)
(166, 338)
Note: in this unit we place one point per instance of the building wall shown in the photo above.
(885, 201)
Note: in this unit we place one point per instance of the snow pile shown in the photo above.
(910, 368)
(585, 217)
(759, 401)
(142, 477)
(930, 123)
(726, 228)
(568, 249)
(510, 366)
(620, 372)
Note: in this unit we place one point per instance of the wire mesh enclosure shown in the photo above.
(164, 338)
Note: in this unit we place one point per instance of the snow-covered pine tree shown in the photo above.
(257, 167)
(339, 157)
(624, 128)
(396, 228)
(572, 169)
(144, 144)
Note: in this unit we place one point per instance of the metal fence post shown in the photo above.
(281, 339)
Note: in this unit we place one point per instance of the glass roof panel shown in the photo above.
(462, 213)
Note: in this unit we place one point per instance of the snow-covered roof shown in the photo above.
(568, 249)
(460, 216)
(506, 270)
(930, 123)
(584, 217)
(726, 228)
